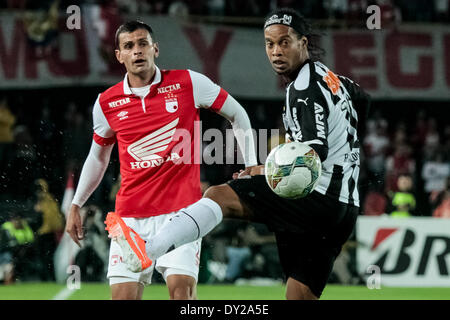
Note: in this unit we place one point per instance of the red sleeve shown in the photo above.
(104, 141)
(220, 100)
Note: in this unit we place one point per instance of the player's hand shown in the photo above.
(74, 225)
(248, 172)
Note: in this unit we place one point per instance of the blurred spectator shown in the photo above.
(159, 6)
(6, 266)
(135, 7)
(237, 258)
(265, 262)
(7, 121)
(441, 8)
(390, 13)
(17, 247)
(216, 7)
(375, 146)
(41, 25)
(19, 169)
(356, 13)
(400, 136)
(374, 203)
(420, 130)
(47, 128)
(129, 6)
(446, 144)
(377, 119)
(48, 234)
(337, 9)
(252, 253)
(400, 162)
(344, 268)
(106, 19)
(178, 9)
(432, 138)
(238, 252)
(403, 201)
(435, 173)
(77, 137)
(46, 139)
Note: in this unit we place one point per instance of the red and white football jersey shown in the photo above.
(158, 139)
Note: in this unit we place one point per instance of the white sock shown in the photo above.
(187, 225)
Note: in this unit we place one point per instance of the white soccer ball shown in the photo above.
(293, 170)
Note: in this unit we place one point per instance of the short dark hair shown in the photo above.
(131, 26)
(301, 26)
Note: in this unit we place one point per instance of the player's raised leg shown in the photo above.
(198, 220)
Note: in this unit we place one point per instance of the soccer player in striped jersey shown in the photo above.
(153, 116)
(323, 110)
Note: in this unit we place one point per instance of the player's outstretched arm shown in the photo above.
(209, 95)
(91, 175)
(238, 117)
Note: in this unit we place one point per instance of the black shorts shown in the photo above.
(310, 231)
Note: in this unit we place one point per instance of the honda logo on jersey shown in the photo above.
(145, 151)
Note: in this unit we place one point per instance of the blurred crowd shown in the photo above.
(349, 10)
(407, 167)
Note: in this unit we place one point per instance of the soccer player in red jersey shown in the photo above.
(152, 116)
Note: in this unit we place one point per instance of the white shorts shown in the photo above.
(184, 260)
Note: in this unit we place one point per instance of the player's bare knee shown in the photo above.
(228, 201)
(182, 291)
(181, 287)
(214, 193)
(219, 195)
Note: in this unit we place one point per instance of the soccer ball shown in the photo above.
(292, 170)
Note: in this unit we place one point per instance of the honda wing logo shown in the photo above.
(145, 150)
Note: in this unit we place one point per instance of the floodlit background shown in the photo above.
(57, 56)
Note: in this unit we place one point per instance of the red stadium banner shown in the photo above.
(409, 62)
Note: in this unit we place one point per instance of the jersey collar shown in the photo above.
(156, 80)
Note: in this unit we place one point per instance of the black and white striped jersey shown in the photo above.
(322, 111)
